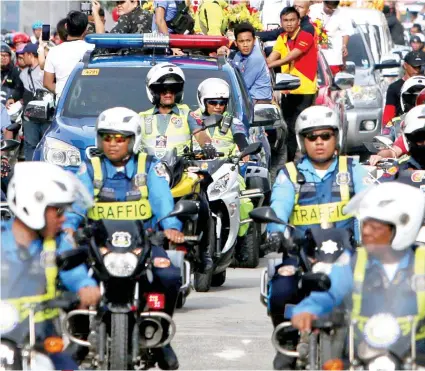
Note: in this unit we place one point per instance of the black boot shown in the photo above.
(166, 358)
(207, 262)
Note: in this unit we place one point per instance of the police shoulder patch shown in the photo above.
(196, 117)
(160, 170)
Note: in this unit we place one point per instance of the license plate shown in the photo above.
(156, 301)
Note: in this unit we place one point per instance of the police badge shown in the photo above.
(343, 178)
(140, 180)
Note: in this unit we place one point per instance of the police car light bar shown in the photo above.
(155, 40)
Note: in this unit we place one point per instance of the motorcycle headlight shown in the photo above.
(383, 363)
(120, 265)
(220, 186)
(364, 93)
(60, 153)
(9, 318)
(381, 331)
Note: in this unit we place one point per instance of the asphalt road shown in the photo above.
(226, 328)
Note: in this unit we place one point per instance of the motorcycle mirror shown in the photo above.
(381, 142)
(13, 127)
(212, 121)
(265, 214)
(314, 282)
(71, 258)
(9, 145)
(183, 209)
(252, 149)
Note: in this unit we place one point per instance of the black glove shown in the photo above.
(274, 241)
(5, 167)
(209, 151)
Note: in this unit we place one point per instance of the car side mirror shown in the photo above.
(285, 81)
(344, 80)
(37, 110)
(350, 67)
(266, 115)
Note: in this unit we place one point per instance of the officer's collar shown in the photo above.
(402, 264)
(174, 109)
(128, 168)
(306, 165)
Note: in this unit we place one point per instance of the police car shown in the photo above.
(104, 80)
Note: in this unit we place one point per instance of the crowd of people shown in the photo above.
(315, 182)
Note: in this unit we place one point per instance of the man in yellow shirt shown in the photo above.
(210, 18)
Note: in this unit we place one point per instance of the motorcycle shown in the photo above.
(9, 150)
(224, 197)
(20, 349)
(129, 321)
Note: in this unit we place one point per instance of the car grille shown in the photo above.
(92, 152)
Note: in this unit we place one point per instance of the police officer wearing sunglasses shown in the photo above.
(312, 192)
(128, 185)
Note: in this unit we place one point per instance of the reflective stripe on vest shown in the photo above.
(51, 273)
(177, 135)
(359, 278)
(317, 214)
(222, 143)
(126, 210)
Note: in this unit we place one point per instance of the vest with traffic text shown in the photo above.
(310, 211)
(108, 193)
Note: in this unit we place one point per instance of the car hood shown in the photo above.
(78, 132)
(364, 77)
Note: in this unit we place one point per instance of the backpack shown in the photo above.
(182, 23)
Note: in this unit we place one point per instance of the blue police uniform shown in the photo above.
(407, 171)
(363, 283)
(119, 187)
(170, 8)
(308, 205)
(27, 276)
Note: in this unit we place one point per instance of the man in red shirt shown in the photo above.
(295, 52)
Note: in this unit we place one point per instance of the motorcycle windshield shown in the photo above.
(210, 165)
(383, 314)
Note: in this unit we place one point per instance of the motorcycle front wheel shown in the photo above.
(119, 342)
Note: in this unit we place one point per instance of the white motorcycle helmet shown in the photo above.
(315, 118)
(212, 88)
(398, 204)
(164, 74)
(409, 92)
(120, 120)
(413, 123)
(37, 185)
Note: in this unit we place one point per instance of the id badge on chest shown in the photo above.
(160, 146)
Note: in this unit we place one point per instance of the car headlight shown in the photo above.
(382, 363)
(364, 93)
(60, 153)
(220, 186)
(381, 331)
(9, 318)
(120, 265)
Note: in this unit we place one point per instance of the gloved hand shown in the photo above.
(209, 151)
(5, 167)
(274, 241)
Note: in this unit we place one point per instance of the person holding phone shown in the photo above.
(37, 27)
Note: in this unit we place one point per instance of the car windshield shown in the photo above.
(357, 51)
(109, 87)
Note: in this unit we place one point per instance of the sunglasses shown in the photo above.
(217, 102)
(324, 136)
(119, 138)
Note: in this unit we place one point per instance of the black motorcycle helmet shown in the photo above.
(6, 48)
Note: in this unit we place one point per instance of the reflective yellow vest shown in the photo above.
(222, 142)
(177, 134)
(303, 215)
(404, 322)
(51, 273)
(126, 210)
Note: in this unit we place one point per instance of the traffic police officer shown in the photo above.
(390, 215)
(38, 194)
(310, 193)
(410, 168)
(127, 186)
(170, 124)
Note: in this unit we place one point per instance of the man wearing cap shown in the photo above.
(417, 42)
(36, 29)
(413, 62)
(32, 79)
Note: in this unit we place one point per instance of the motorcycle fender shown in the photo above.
(222, 171)
(118, 308)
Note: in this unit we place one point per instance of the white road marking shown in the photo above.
(230, 354)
